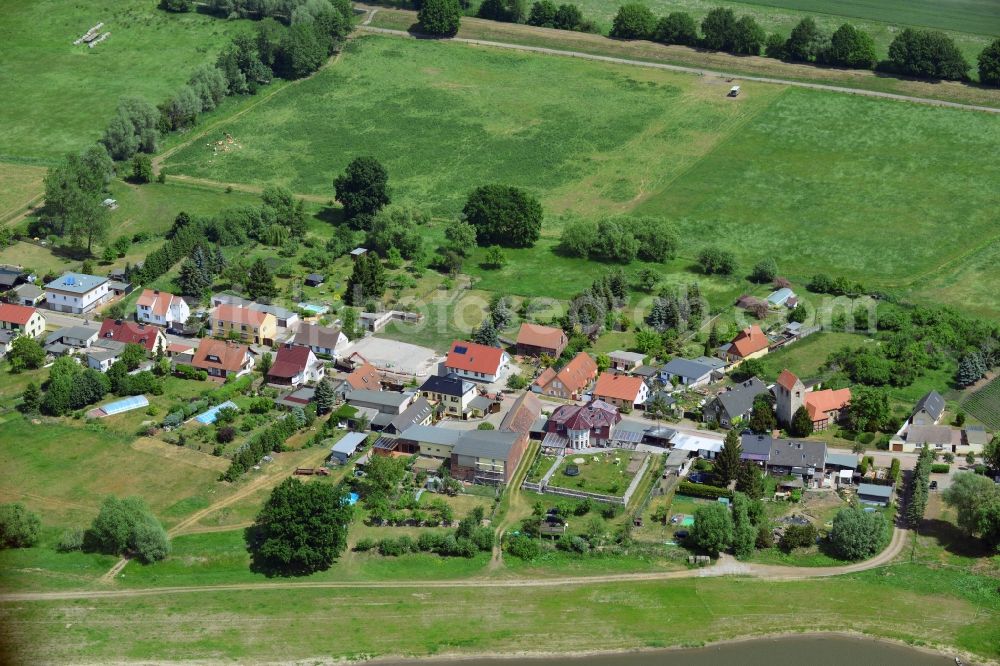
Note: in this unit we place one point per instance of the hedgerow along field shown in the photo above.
(973, 24)
(879, 191)
(59, 97)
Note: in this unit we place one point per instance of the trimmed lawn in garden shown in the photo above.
(604, 473)
(805, 357)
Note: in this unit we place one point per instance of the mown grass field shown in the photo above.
(19, 185)
(257, 624)
(464, 116)
(879, 191)
(971, 23)
(59, 97)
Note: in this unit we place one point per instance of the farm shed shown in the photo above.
(347, 446)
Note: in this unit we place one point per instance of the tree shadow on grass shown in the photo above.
(330, 215)
(952, 539)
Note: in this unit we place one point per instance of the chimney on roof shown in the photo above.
(118, 322)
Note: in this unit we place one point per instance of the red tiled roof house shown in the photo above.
(294, 366)
(475, 361)
(569, 382)
(222, 359)
(535, 340)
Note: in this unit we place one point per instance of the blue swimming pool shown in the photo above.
(208, 417)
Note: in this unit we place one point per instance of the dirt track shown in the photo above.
(726, 566)
(692, 70)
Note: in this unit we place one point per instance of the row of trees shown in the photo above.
(620, 239)
(923, 53)
(267, 440)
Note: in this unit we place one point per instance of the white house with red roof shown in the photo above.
(476, 361)
(161, 308)
(21, 320)
(151, 338)
(294, 366)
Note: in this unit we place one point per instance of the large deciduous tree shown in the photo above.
(504, 215)
(363, 189)
(927, 53)
(713, 528)
(976, 500)
(302, 528)
(989, 64)
(441, 18)
(850, 47)
(127, 526)
(633, 21)
(857, 534)
(19, 528)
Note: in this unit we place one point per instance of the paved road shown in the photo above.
(693, 70)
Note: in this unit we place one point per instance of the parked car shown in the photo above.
(933, 485)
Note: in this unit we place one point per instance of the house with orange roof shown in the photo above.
(623, 391)
(748, 343)
(535, 340)
(162, 308)
(239, 323)
(475, 361)
(570, 381)
(223, 358)
(365, 377)
(824, 407)
(21, 320)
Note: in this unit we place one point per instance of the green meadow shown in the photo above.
(59, 97)
(878, 191)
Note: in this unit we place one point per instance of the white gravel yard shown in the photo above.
(397, 356)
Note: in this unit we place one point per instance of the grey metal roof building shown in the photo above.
(487, 444)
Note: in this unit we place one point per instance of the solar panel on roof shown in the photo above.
(461, 350)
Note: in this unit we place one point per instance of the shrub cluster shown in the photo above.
(270, 439)
(702, 490)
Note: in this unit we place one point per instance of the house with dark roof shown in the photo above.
(800, 458)
(294, 366)
(315, 279)
(67, 339)
(322, 340)
(431, 441)
(488, 457)
(475, 361)
(418, 412)
(928, 410)
(733, 404)
(221, 359)
(28, 294)
(452, 392)
(581, 426)
(535, 340)
(755, 448)
(10, 276)
(103, 354)
(150, 338)
(692, 373)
